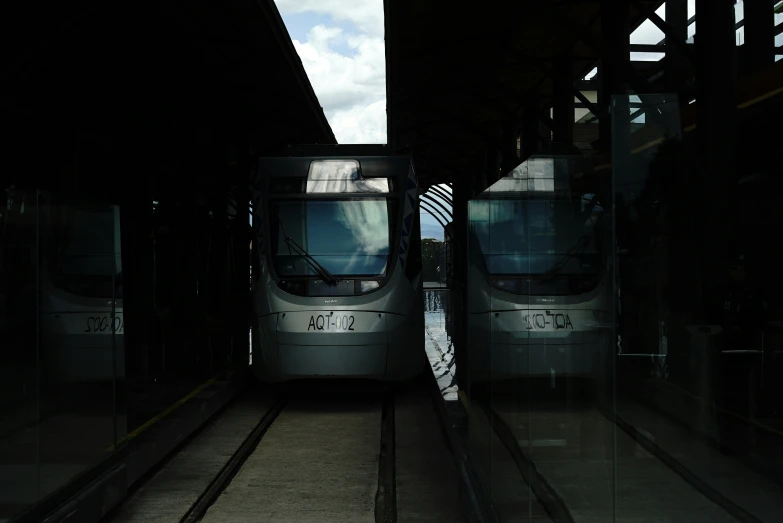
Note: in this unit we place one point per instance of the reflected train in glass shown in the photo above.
(81, 319)
(540, 289)
(336, 273)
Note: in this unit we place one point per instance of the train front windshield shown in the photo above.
(347, 237)
(84, 253)
(540, 246)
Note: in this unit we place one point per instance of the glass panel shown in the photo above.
(546, 238)
(347, 237)
(19, 474)
(540, 308)
(697, 407)
(63, 376)
(118, 337)
(82, 258)
(480, 434)
(80, 310)
(189, 260)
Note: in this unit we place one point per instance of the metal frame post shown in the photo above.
(563, 103)
(716, 116)
(758, 52)
(616, 35)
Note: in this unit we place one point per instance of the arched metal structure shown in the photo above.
(436, 203)
(443, 194)
(435, 214)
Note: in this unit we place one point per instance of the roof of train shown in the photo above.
(337, 150)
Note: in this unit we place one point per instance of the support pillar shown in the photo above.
(509, 147)
(461, 193)
(758, 52)
(676, 63)
(493, 167)
(563, 88)
(530, 132)
(615, 33)
(716, 120)
(241, 235)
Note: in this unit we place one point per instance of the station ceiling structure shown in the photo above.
(156, 82)
(456, 76)
(465, 83)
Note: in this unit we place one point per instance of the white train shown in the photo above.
(81, 315)
(336, 274)
(540, 284)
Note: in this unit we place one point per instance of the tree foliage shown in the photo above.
(430, 258)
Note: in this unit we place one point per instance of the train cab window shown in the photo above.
(83, 257)
(347, 237)
(551, 243)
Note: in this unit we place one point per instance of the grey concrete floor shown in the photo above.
(598, 469)
(427, 481)
(727, 475)
(511, 495)
(318, 462)
(172, 490)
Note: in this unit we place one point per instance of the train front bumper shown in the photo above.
(342, 343)
(545, 359)
(540, 343)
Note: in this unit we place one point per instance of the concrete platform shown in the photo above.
(729, 477)
(171, 491)
(598, 471)
(318, 462)
(426, 475)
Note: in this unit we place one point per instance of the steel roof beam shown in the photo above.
(443, 194)
(438, 203)
(668, 31)
(443, 221)
(586, 104)
(447, 215)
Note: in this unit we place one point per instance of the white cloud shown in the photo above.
(360, 124)
(351, 89)
(366, 15)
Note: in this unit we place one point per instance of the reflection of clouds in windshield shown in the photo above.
(368, 222)
(507, 226)
(334, 170)
(341, 176)
(378, 185)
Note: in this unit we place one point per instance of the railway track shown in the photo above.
(229, 471)
(348, 455)
(326, 459)
(366, 453)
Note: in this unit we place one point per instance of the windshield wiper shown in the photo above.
(577, 249)
(320, 269)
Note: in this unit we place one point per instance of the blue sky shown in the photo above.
(340, 43)
(300, 24)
